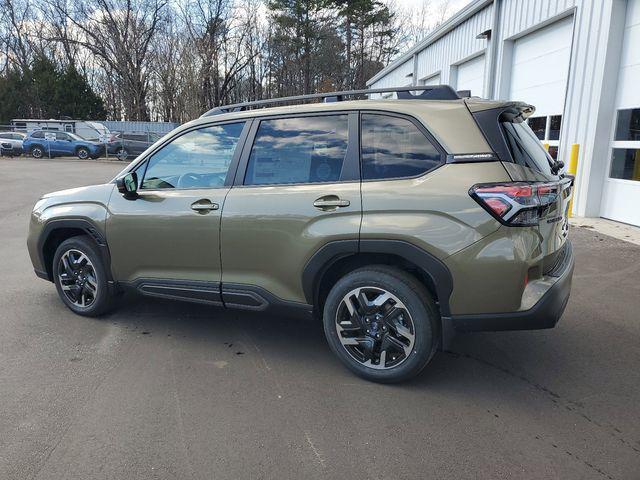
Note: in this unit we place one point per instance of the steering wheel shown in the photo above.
(189, 179)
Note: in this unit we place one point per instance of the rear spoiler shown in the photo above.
(488, 114)
(509, 111)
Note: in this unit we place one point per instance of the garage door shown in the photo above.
(432, 80)
(539, 76)
(470, 76)
(621, 194)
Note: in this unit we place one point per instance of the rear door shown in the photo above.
(297, 189)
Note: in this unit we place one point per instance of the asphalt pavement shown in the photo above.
(169, 390)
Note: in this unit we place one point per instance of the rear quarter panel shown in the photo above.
(433, 211)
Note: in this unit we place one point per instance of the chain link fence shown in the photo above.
(47, 143)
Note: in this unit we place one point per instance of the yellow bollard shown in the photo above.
(572, 169)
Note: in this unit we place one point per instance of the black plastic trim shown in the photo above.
(189, 290)
(321, 261)
(252, 297)
(82, 224)
(544, 314)
(436, 270)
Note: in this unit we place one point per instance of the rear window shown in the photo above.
(526, 148)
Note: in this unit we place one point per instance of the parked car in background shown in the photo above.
(130, 145)
(14, 139)
(52, 144)
(85, 129)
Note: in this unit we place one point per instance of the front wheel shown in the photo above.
(81, 278)
(37, 152)
(83, 153)
(381, 323)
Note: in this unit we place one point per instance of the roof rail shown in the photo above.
(432, 92)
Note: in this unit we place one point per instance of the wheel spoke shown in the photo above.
(390, 341)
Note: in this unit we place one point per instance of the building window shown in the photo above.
(547, 129)
(625, 155)
(628, 125)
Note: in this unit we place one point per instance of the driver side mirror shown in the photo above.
(128, 185)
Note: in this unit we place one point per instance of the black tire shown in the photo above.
(37, 151)
(417, 302)
(83, 153)
(103, 298)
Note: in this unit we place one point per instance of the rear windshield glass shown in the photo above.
(526, 148)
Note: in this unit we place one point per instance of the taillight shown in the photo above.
(516, 203)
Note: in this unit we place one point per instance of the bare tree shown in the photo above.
(119, 33)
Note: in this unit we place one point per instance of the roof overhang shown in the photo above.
(463, 15)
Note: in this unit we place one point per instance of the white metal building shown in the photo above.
(577, 61)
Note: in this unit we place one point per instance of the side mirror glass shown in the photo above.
(128, 185)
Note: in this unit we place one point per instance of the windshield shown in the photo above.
(74, 136)
(526, 148)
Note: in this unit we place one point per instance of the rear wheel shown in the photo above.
(382, 323)
(81, 278)
(37, 152)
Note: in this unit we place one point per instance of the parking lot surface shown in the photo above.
(174, 390)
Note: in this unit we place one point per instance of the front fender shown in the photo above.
(79, 209)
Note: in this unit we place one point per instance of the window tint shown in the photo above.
(628, 125)
(298, 150)
(625, 164)
(538, 125)
(197, 159)
(394, 147)
(63, 136)
(526, 148)
(38, 134)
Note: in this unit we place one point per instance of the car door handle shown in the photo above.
(331, 201)
(204, 206)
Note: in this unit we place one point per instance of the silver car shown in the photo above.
(15, 139)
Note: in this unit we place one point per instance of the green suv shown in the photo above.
(398, 222)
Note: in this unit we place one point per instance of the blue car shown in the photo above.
(51, 144)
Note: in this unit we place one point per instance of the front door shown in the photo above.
(166, 241)
(297, 189)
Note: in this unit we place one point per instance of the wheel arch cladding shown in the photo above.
(337, 258)
(57, 231)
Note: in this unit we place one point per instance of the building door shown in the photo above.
(621, 193)
(540, 68)
(470, 76)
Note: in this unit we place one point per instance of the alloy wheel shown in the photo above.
(375, 327)
(77, 278)
(83, 154)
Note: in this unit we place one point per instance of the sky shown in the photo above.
(453, 5)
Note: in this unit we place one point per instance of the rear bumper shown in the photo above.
(544, 314)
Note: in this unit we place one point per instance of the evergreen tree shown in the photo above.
(44, 91)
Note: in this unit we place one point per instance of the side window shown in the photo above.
(197, 159)
(38, 134)
(298, 150)
(394, 147)
(62, 136)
